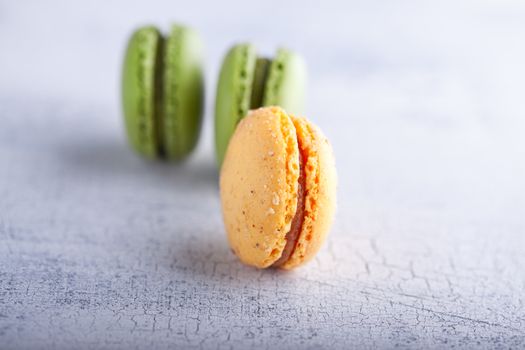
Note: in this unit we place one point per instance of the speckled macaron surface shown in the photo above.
(247, 81)
(163, 91)
(278, 177)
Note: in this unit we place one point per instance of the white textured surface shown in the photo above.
(424, 105)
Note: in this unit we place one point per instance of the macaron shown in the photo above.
(163, 91)
(248, 81)
(278, 189)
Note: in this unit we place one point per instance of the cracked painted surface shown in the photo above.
(99, 249)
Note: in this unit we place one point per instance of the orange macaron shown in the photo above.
(278, 189)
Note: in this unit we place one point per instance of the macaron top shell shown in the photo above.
(259, 187)
(234, 90)
(138, 90)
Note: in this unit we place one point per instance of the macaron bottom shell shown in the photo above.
(260, 189)
(183, 92)
(320, 187)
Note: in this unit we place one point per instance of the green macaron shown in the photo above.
(247, 81)
(163, 91)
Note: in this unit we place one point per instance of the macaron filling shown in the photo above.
(292, 236)
(158, 93)
(260, 77)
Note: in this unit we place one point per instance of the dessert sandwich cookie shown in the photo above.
(247, 81)
(163, 91)
(278, 189)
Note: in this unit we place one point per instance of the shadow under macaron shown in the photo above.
(115, 160)
(210, 259)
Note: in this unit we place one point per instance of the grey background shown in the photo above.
(423, 102)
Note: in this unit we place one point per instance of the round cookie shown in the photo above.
(278, 189)
(163, 91)
(247, 81)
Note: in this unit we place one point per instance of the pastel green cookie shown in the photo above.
(247, 82)
(163, 92)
